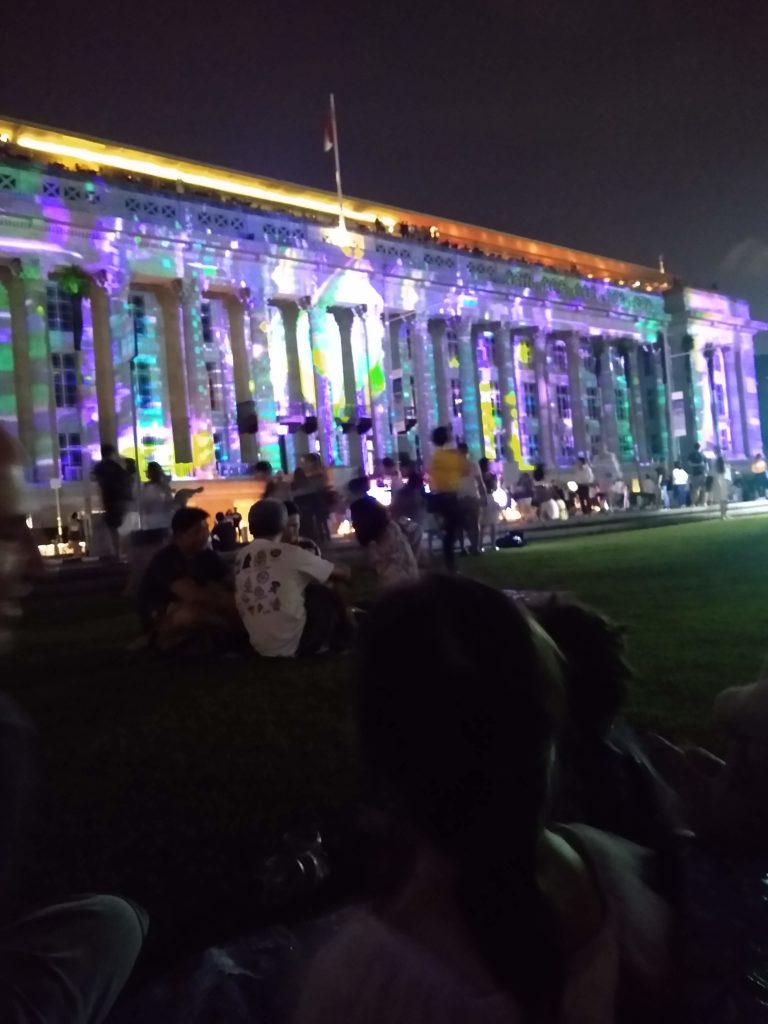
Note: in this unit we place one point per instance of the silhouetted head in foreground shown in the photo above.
(456, 750)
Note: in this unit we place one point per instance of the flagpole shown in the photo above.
(342, 225)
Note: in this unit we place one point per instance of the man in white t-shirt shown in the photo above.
(280, 590)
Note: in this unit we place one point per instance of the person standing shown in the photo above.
(490, 512)
(697, 470)
(585, 478)
(472, 498)
(445, 473)
(607, 473)
(114, 484)
(224, 534)
(759, 469)
(680, 485)
(721, 486)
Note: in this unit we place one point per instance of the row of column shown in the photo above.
(356, 357)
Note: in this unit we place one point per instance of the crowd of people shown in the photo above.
(529, 850)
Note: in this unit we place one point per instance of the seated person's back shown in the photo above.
(271, 577)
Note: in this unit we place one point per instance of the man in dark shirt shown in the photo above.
(114, 485)
(224, 534)
(187, 589)
(697, 469)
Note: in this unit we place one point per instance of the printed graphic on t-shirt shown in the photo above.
(260, 592)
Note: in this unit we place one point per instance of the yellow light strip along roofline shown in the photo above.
(96, 153)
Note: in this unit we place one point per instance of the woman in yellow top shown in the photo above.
(445, 474)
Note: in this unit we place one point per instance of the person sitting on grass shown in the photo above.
(185, 596)
(281, 594)
(604, 778)
(482, 914)
(390, 552)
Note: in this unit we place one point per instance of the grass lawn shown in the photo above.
(170, 785)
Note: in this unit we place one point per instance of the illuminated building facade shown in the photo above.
(215, 318)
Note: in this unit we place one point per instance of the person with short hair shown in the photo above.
(585, 478)
(680, 485)
(759, 476)
(280, 590)
(697, 469)
(186, 592)
(114, 485)
(445, 474)
(385, 542)
(224, 534)
(292, 531)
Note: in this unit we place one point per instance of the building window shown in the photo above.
(455, 385)
(215, 386)
(409, 345)
(563, 400)
(626, 448)
(70, 457)
(719, 397)
(64, 379)
(412, 383)
(560, 357)
(143, 384)
(452, 350)
(495, 396)
(139, 313)
(530, 399)
(652, 401)
(622, 404)
(566, 447)
(58, 309)
(206, 323)
(725, 440)
(525, 354)
(219, 450)
(593, 403)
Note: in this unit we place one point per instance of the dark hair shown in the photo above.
(539, 472)
(440, 436)
(720, 464)
(299, 475)
(596, 674)
(484, 464)
(457, 750)
(185, 518)
(415, 481)
(107, 451)
(388, 462)
(263, 467)
(358, 486)
(462, 447)
(369, 519)
(267, 518)
(155, 473)
(291, 508)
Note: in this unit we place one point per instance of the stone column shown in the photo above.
(103, 360)
(738, 448)
(261, 368)
(198, 395)
(423, 371)
(29, 326)
(470, 389)
(750, 411)
(318, 336)
(502, 350)
(236, 307)
(373, 332)
(19, 388)
(541, 368)
(578, 411)
(636, 410)
(609, 429)
(437, 328)
(357, 449)
(289, 311)
(662, 414)
(168, 300)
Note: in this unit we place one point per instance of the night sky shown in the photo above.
(628, 129)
